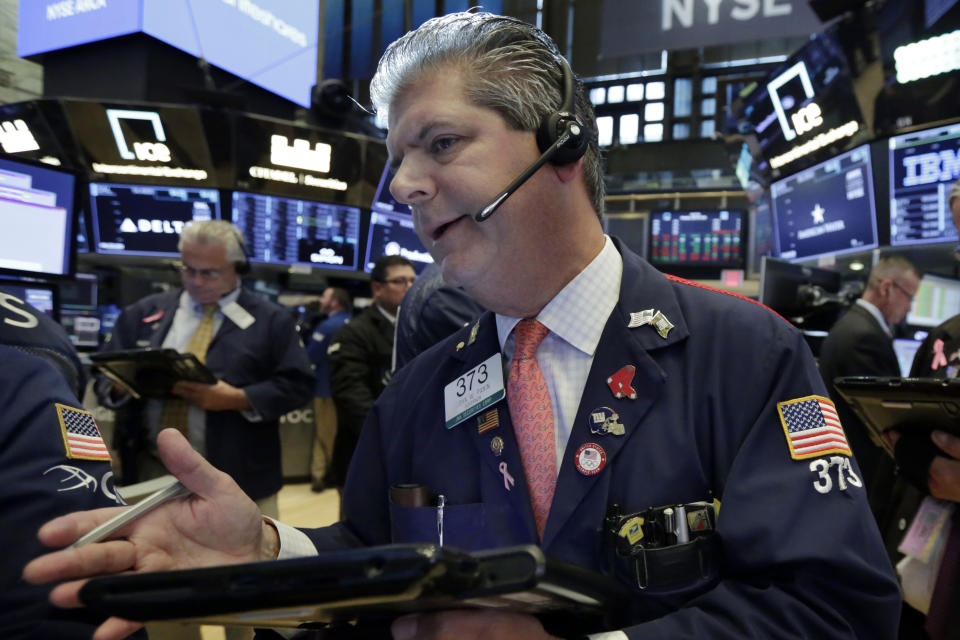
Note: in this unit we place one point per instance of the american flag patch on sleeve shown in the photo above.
(81, 436)
(812, 427)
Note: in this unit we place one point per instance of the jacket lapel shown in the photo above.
(620, 345)
(168, 306)
(508, 462)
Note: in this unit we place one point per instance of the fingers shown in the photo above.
(64, 530)
(948, 443)
(190, 467)
(86, 561)
(115, 629)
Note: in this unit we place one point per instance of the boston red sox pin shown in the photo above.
(619, 383)
(590, 459)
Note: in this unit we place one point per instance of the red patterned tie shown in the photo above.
(532, 417)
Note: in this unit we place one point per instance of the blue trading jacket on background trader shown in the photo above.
(53, 461)
(705, 413)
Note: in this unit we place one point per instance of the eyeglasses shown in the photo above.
(205, 274)
(910, 296)
(400, 282)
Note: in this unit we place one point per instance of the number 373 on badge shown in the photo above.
(473, 391)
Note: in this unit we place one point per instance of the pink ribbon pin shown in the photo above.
(939, 360)
(507, 478)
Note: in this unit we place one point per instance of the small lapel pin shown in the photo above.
(590, 459)
(640, 318)
(619, 383)
(473, 333)
(460, 345)
(507, 478)
(662, 324)
(605, 420)
(490, 420)
(496, 445)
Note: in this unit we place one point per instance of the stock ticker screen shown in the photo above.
(826, 209)
(146, 219)
(709, 238)
(923, 167)
(290, 231)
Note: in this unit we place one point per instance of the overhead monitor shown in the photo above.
(924, 165)
(146, 220)
(288, 231)
(79, 315)
(392, 234)
(826, 209)
(806, 107)
(937, 299)
(383, 200)
(283, 60)
(37, 219)
(632, 229)
(41, 296)
(691, 238)
(906, 350)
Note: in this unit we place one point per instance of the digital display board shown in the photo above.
(37, 218)
(78, 310)
(805, 107)
(288, 231)
(146, 219)
(937, 300)
(392, 234)
(283, 61)
(156, 145)
(708, 238)
(924, 165)
(826, 209)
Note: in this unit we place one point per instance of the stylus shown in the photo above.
(131, 513)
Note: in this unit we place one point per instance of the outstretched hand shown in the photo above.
(217, 525)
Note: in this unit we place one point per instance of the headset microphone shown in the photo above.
(573, 129)
(561, 139)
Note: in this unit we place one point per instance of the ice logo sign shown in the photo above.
(144, 151)
(804, 119)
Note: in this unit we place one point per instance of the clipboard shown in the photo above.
(151, 373)
(918, 405)
(363, 586)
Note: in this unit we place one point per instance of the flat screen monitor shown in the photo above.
(630, 228)
(41, 296)
(392, 234)
(937, 299)
(146, 220)
(924, 165)
(79, 313)
(383, 200)
(826, 209)
(288, 231)
(37, 218)
(712, 238)
(790, 289)
(905, 350)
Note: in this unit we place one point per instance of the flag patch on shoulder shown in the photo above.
(812, 427)
(81, 436)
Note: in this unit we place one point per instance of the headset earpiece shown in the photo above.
(556, 124)
(552, 127)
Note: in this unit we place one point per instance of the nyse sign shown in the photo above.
(635, 26)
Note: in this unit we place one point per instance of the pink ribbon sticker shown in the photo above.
(939, 360)
(507, 478)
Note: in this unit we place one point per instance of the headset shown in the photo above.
(242, 267)
(561, 138)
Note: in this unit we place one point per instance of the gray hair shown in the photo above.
(513, 68)
(890, 267)
(215, 232)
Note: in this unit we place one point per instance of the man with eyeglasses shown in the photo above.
(861, 344)
(360, 357)
(249, 343)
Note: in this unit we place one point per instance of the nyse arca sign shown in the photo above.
(631, 27)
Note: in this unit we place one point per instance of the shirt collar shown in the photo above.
(386, 314)
(187, 302)
(872, 310)
(579, 312)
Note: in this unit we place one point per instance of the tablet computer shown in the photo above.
(903, 404)
(357, 586)
(151, 373)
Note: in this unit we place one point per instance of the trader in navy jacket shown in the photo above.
(667, 397)
(53, 460)
(262, 369)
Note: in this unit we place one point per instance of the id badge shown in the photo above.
(473, 391)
